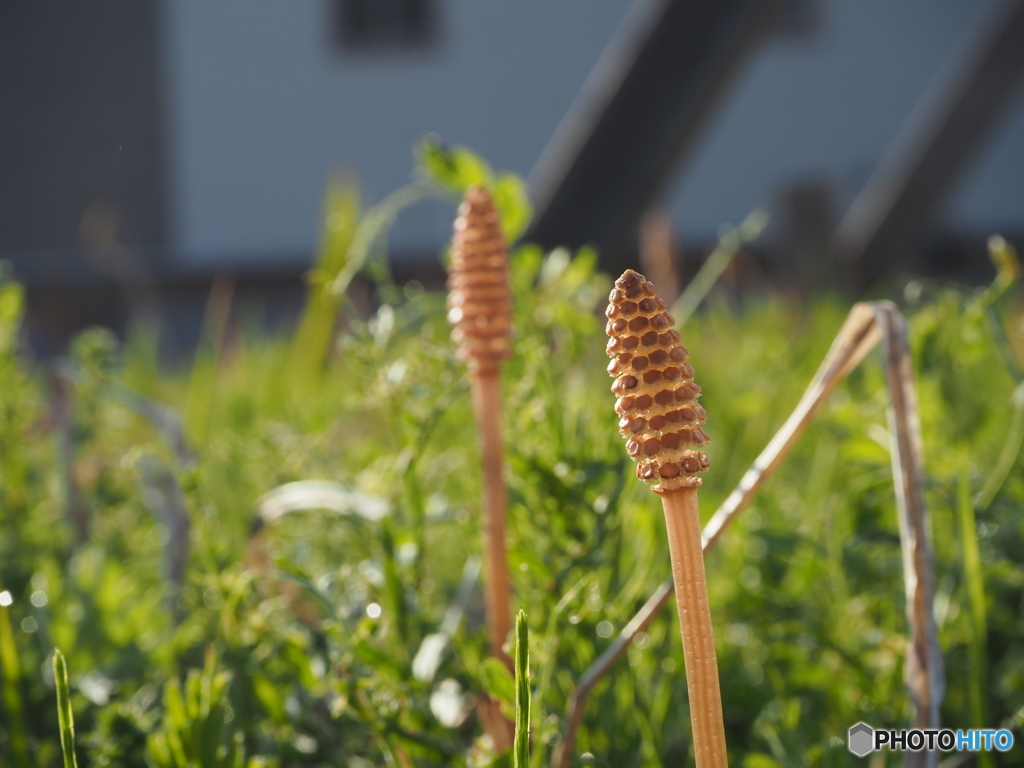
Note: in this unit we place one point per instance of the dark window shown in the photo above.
(374, 24)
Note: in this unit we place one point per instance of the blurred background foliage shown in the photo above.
(217, 607)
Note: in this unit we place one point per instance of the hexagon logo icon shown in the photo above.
(861, 739)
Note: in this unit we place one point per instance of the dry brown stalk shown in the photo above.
(659, 253)
(865, 326)
(480, 308)
(661, 419)
(924, 671)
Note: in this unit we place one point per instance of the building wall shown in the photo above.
(824, 105)
(262, 106)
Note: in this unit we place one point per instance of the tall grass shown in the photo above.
(316, 646)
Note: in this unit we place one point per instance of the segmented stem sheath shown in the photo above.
(486, 390)
(682, 521)
(480, 308)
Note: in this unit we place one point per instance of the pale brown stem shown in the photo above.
(659, 253)
(682, 519)
(486, 388)
(487, 404)
(501, 730)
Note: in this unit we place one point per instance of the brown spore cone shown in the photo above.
(479, 299)
(657, 399)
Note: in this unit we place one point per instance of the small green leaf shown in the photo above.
(760, 760)
(455, 168)
(513, 205)
(458, 169)
(498, 681)
(270, 696)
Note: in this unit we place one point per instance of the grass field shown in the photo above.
(206, 623)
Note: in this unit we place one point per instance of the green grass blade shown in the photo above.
(374, 224)
(64, 716)
(312, 342)
(394, 589)
(521, 746)
(13, 703)
(716, 263)
(1008, 456)
(975, 583)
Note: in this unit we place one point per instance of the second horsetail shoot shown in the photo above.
(480, 308)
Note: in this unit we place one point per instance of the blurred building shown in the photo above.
(167, 140)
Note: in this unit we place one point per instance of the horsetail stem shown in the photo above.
(480, 308)
(662, 423)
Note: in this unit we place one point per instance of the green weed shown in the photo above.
(315, 617)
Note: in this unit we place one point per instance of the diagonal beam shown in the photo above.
(639, 113)
(941, 137)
